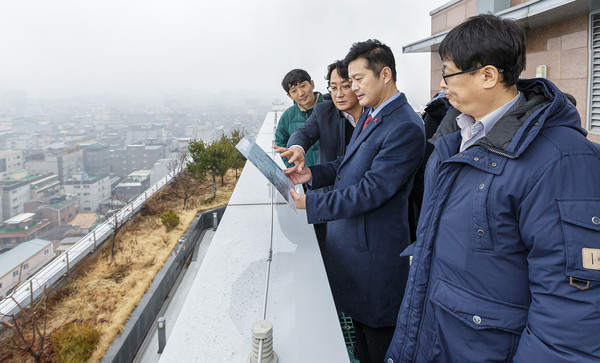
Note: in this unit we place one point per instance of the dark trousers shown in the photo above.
(321, 233)
(372, 343)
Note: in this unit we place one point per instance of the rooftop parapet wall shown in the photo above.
(227, 296)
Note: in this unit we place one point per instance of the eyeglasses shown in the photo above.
(334, 90)
(446, 76)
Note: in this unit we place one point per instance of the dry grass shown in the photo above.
(105, 292)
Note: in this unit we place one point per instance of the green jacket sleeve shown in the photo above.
(282, 135)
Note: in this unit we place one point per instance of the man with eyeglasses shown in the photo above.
(506, 267)
(367, 209)
(299, 86)
(331, 124)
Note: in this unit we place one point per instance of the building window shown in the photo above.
(594, 89)
(0, 285)
(25, 265)
(45, 252)
(15, 273)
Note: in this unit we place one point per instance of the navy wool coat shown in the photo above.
(367, 211)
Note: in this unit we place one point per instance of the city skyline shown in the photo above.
(68, 48)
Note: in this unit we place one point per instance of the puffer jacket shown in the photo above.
(507, 262)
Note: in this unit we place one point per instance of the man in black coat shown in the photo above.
(435, 110)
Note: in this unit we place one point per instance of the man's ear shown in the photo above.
(312, 84)
(386, 73)
(491, 76)
(289, 96)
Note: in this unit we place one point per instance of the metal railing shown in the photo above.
(27, 292)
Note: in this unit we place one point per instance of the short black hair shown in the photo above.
(341, 69)
(293, 78)
(377, 55)
(487, 39)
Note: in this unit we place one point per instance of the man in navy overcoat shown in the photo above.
(367, 208)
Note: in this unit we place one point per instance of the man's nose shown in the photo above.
(443, 84)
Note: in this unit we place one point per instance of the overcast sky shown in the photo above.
(143, 47)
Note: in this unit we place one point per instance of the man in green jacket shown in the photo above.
(298, 86)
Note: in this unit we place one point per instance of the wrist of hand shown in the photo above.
(298, 147)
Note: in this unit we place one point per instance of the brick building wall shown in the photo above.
(561, 46)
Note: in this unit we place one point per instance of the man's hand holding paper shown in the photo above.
(299, 177)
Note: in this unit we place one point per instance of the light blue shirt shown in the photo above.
(472, 131)
(374, 112)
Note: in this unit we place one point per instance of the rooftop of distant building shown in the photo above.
(13, 258)
(84, 220)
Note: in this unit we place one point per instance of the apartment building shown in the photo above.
(58, 209)
(46, 186)
(96, 158)
(136, 157)
(16, 192)
(22, 228)
(10, 161)
(59, 159)
(18, 264)
(90, 189)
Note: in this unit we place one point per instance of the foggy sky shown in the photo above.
(143, 47)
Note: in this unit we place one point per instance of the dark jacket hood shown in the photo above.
(541, 106)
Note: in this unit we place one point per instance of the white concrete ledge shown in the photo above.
(227, 295)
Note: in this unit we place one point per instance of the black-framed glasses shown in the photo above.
(445, 76)
(334, 89)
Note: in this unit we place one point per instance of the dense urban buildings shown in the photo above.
(64, 163)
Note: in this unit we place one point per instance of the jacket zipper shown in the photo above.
(497, 152)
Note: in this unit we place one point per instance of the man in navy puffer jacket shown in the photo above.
(506, 266)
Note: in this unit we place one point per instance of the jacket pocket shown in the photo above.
(361, 228)
(580, 220)
(474, 327)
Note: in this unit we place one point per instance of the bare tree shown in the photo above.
(28, 327)
(117, 203)
(183, 186)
